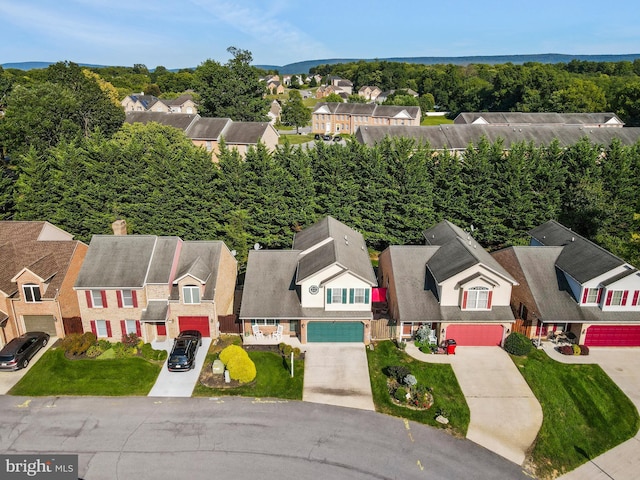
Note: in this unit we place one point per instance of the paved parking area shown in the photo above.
(337, 374)
(178, 384)
(9, 379)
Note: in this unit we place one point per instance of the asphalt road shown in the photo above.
(202, 438)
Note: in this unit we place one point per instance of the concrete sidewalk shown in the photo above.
(337, 374)
(505, 415)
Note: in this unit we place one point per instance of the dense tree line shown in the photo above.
(577, 86)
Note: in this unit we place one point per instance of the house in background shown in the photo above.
(149, 103)
(207, 132)
(319, 291)
(569, 283)
(369, 92)
(348, 117)
(154, 286)
(40, 263)
(275, 110)
(519, 119)
(451, 285)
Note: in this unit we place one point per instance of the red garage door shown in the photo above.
(475, 335)
(195, 323)
(613, 336)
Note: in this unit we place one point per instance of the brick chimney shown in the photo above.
(119, 227)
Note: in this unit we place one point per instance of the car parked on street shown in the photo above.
(17, 353)
(183, 353)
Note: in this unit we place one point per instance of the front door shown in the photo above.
(162, 328)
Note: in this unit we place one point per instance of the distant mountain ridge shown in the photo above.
(305, 66)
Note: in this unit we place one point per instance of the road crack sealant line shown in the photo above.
(408, 427)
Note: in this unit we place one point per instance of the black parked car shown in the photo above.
(17, 353)
(183, 353)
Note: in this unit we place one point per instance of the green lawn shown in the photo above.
(295, 139)
(53, 374)
(439, 120)
(440, 377)
(273, 379)
(585, 413)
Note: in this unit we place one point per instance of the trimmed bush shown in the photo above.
(566, 349)
(242, 368)
(584, 350)
(399, 372)
(517, 344)
(230, 352)
(400, 394)
(130, 340)
(576, 349)
(76, 344)
(94, 351)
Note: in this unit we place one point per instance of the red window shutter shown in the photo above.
(123, 327)
(93, 328)
(464, 299)
(89, 301)
(108, 322)
(134, 297)
(599, 295)
(119, 297)
(103, 294)
(625, 294)
(635, 298)
(489, 299)
(138, 328)
(585, 295)
(609, 295)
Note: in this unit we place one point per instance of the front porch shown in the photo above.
(269, 340)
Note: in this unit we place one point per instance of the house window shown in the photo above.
(96, 299)
(477, 298)
(336, 295)
(31, 292)
(101, 328)
(209, 146)
(127, 298)
(616, 297)
(358, 295)
(130, 327)
(265, 321)
(191, 294)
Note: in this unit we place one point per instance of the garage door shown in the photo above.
(613, 336)
(200, 324)
(40, 323)
(475, 335)
(335, 332)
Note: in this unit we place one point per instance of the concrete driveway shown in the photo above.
(337, 374)
(622, 364)
(505, 414)
(9, 379)
(178, 384)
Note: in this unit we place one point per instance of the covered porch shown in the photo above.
(271, 340)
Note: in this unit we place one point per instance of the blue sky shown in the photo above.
(184, 33)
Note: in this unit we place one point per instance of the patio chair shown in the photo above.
(433, 340)
(277, 335)
(255, 329)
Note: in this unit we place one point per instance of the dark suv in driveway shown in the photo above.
(17, 353)
(183, 353)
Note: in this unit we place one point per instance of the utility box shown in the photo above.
(218, 367)
(451, 346)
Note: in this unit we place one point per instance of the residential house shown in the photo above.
(40, 263)
(275, 88)
(275, 110)
(319, 291)
(451, 285)
(327, 90)
(348, 117)
(457, 138)
(369, 92)
(519, 119)
(149, 103)
(154, 286)
(383, 96)
(569, 283)
(208, 132)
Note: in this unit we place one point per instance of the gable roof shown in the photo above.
(245, 133)
(181, 121)
(368, 109)
(577, 249)
(207, 128)
(538, 118)
(200, 260)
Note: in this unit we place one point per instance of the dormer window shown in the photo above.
(31, 292)
(191, 294)
(476, 298)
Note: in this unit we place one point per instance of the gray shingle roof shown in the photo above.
(180, 121)
(160, 268)
(245, 133)
(200, 259)
(155, 311)
(368, 109)
(207, 128)
(539, 118)
(459, 137)
(577, 249)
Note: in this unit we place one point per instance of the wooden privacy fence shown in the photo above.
(383, 329)
(230, 324)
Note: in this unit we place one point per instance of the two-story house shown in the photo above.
(348, 117)
(149, 103)
(154, 286)
(569, 283)
(451, 285)
(319, 291)
(40, 263)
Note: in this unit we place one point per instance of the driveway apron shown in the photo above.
(337, 374)
(178, 384)
(505, 415)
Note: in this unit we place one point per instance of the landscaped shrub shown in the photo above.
(400, 394)
(584, 350)
(422, 334)
(230, 352)
(399, 372)
(566, 349)
(130, 340)
(517, 344)
(104, 344)
(241, 368)
(576, 349)
(150, 353)
(409, 381)
(94, 351)
(76, 344)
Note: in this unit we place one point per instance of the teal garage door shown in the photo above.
(335, 332)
